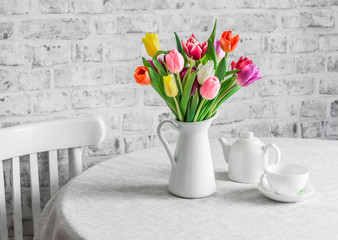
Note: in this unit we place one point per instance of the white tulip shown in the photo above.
(205, 71)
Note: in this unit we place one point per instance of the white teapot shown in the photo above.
(247, 157)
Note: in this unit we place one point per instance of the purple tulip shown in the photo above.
(195, 85)
(219, 52)
(248, 75)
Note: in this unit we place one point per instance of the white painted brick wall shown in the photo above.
(67, 58)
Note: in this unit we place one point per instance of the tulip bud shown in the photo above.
(205, 71)
(141, 76)
(151, 43)
(210, 88)
(228, 41)
(170, 86)
(174, 61)
(248, 75)
(241, 64)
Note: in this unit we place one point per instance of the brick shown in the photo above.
(137, 143)
(87, 6)
(139, 122)
(228, 113)
(313, 19)
(261, 109)
(332, 127)
(313, 108)
(312, 129)
(272, 87)
(332, 64)
(124, 72)
(260, 129)
(216, 4)
(111, 5)
(278, 4)
(14, 55)
(334, 2)
(15, 104)
(312, 64)
(14, 7)
(312, 3)
(54, 6)
(284, 129)
(151, 98)
(88, 98)
(252, 22)
(47, 102)
(330, 42)
(121, 97)
(67, 28)
(274, 44)
(137, 24)
(117, 50)
(247, 46)
(284, 109)
(334, 109)
(50, 55)
(248, 4)
(106, 26)
(223, 130)
(6, 30)
(110, 146)
(82, 76)
(328, 86)
(300, 86)
(304, 43)
(87, 52)
(187, 23)
(245, 93)
(273, 65)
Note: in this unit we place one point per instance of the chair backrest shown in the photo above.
(71, 134)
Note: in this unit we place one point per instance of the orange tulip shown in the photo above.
(229, 41)
(141, 76)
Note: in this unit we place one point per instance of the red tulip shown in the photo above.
(229, 41)
(210, 88)
(241, 64)
(174, 61)
(141, 76)
(194, 49)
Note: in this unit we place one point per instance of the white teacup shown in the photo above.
(286, 179)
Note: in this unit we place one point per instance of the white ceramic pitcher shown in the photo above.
(192, 173)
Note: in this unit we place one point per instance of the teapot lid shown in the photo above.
(248, 137)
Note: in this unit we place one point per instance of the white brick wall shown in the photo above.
(67, 58)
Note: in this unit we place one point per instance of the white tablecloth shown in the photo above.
(127, 198)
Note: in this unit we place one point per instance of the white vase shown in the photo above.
(192, 173)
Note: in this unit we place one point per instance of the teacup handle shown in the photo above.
(164, 141)
(265, 149)
(269, 188)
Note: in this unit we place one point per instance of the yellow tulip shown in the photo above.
(170, 86)
(151, 43)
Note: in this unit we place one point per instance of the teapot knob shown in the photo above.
(249, 135)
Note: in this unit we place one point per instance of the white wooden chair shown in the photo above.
(41, 137)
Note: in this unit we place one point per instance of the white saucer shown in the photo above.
(303, 194)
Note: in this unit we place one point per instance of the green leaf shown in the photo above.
(186, 92)
(180, 49)
(213, 34)
(211, 53)
(159, 67)
(157, 84)
(147, 64)
(232, 71)
(193, 107)
(221, 69)
(229, 94)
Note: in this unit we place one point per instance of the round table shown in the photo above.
(127, 198)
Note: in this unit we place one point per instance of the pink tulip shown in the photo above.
(241, 64)
(219, 52)
(194, 49)
(210, 88)
(195, 85)
(248, 75)
(174, 61)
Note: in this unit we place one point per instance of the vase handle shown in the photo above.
(164, 141)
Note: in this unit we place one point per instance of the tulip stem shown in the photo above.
(178, 79)
(178, 110)
(199, 109)
(219, 99)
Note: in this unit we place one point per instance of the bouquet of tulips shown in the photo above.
(194, 80)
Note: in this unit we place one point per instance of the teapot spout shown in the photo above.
(226, 148)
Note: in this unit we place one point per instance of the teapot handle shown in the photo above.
(164, 141)
(265, 149)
